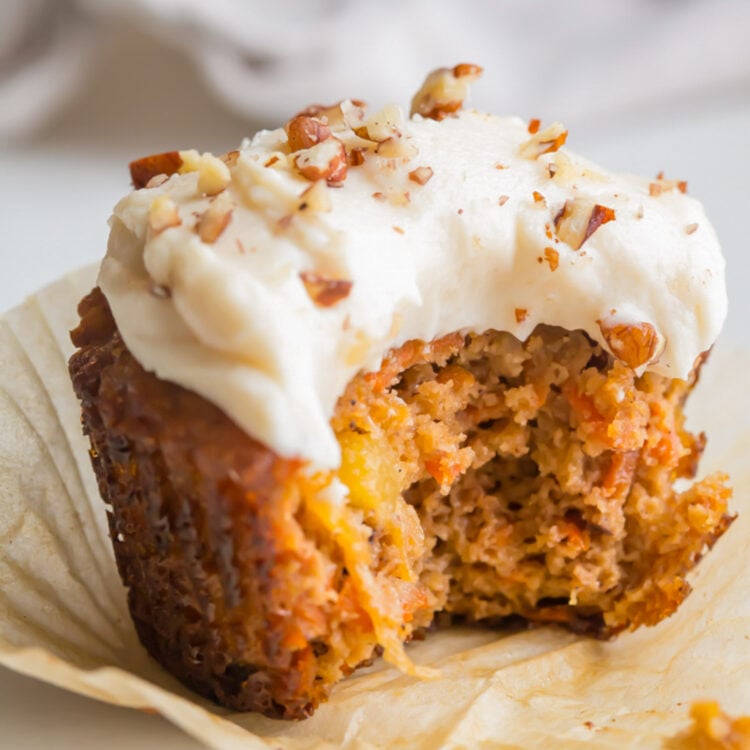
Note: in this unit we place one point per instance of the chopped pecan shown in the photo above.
(315, 198)
(552, 257)
(444, 91)
(213, 175)
(230, 157)
(662, 186)
(396, 148)
(633, 343)
(521, 314)
(163, 214)
(325, 292)
(303, 132)
(213, 221)
(337, 116)
(421, 175)
(385, 124)
(323, 161)
(578, 219)
(355, 157)
(467, 70)
(599, 215)
(213, 171)
(144, 169)
(544, 141)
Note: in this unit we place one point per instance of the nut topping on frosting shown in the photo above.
(635, 344)
(578, 219)
(304, 132)
(323, 161)
(325, 292)
(441, 222)
(662, 186)
(163, 214)
(213, 171)
(213, 221)
(230, 157)
(315, 198)
(144, 169)
(552, 257)
(339, 116)
(544, 141)
(421, 175)
(213, 175)
(444, 90)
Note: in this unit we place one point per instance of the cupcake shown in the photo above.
(370, 369)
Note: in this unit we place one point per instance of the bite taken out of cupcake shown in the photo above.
(370, 368)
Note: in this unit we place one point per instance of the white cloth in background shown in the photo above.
(570, 60)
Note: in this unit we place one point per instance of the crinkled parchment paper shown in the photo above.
(63, 617)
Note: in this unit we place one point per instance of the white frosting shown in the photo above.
(241, 329)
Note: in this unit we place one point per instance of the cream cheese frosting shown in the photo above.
(265, 290)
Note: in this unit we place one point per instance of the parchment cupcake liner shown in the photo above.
(63, 617)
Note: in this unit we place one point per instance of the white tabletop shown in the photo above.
(57, 189)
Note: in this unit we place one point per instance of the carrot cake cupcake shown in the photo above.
(370, 368)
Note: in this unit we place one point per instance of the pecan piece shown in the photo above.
(444, 90)
(552, 257)
(230, 157)
(303, 132)
(421, 175)
(213, 221)
(544, 141)
(144, 169)
(663, 186)
(323, 291)
(315, 198)
(213, 175)
(337, 116)
(163, 214)
(633, 343)
(323, 161)
(578, 219)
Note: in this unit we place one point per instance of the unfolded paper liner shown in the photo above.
(63, 617)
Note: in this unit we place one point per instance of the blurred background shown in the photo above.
(88, 85)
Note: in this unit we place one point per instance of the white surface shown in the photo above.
(57, 189)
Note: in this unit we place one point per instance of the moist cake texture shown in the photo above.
(369, 373)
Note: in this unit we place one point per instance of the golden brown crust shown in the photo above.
(203, 532)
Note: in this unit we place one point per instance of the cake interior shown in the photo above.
(485, 478)
(502, 478)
